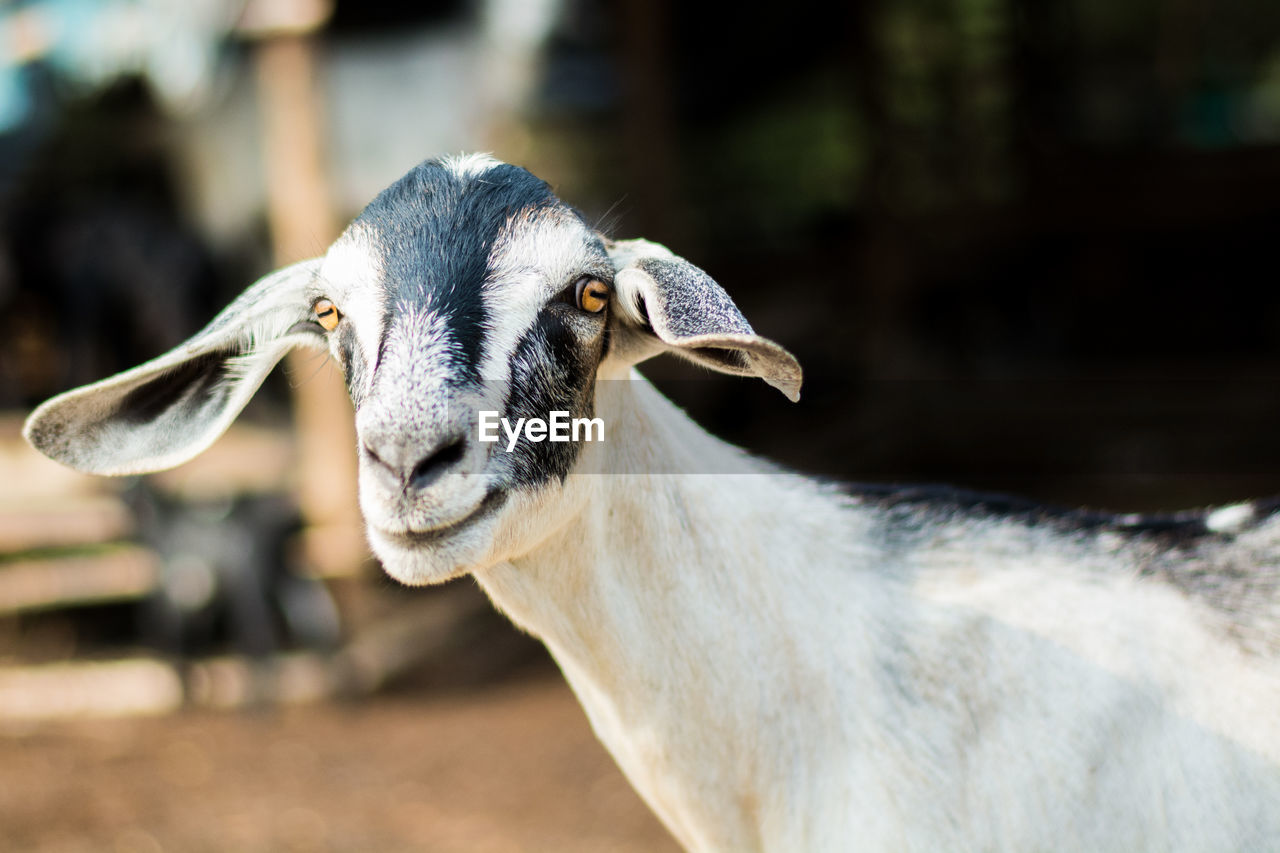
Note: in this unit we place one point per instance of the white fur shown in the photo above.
(351, 275)
(628, 295)
(469, 165)
(769, 678)
(1229, 519)
(532, 259)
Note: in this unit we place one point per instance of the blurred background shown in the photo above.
(1021, 247)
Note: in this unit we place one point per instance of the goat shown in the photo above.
(775, 663)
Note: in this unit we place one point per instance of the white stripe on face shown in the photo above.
(534, 258)
(415, 365)
(353, 275)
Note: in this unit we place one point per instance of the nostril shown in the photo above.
(378, 460)
(435, 465)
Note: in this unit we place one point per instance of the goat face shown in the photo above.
(459, 289)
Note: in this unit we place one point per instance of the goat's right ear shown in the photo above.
(164, 412)
(680, 308)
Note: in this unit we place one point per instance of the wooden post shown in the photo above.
(303, 223)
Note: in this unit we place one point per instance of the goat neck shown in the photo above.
(654, 599)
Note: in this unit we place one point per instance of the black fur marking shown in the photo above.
(436, 231)
(1174, 529)
(353, 364)
(606, 342)
(384, 334)
(1232, 574)
(191, 385)
(554, 371)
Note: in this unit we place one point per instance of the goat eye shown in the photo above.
(592, 294)
(327, 314)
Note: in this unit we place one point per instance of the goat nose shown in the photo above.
(437, 463)
(399, 466)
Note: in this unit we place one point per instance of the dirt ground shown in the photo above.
(513, 767)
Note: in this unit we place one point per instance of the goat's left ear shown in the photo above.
(684, 309)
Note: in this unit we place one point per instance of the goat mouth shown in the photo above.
(492, 502)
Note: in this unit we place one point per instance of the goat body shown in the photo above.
(775, 664)
(778, 665)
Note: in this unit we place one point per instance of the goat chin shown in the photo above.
(419, 560)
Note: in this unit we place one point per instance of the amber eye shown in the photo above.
(592, 294)
(327, 314)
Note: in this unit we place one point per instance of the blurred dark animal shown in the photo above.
(228, 582)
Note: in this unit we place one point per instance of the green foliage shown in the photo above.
(795, 156)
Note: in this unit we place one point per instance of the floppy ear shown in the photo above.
(682, 310)
(166, 411)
